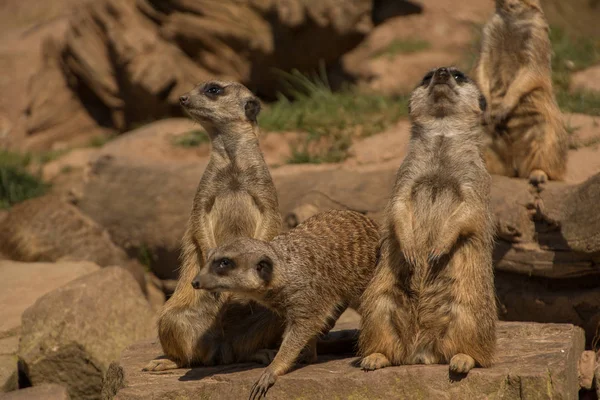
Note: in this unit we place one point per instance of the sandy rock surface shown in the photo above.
(70, 335)
(534, 361)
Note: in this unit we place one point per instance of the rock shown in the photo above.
(72, 334)
(143, 206)
(586, 369)
(395, 56)
(586, 80)
(597, 374)
(23, 283)
(383, 147)
(48, 229)
(9, 374)
(8, 362)
(577, 17)
(129, 61)
(534, 361)
(584, 142)
(54, 113)
(42, 392)
(522, 298)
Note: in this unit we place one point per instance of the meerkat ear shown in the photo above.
(252, 108)
(482, 103)
(264, 268)
(209, 254)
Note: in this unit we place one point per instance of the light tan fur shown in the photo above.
(527, 137)
(235, 198)
(308, 276)
(432, 297)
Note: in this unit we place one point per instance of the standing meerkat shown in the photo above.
(432, 297)
(527, 137)
(235, 198)
(308, 276)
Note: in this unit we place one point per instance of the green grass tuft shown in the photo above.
(330, 117)
(101, 140)
(16, 183)
(193, 138)
(572, 55)
(403, 46)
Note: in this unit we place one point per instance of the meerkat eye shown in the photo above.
(459, 76)
(427, 79)
(213, 89)
(225, 263)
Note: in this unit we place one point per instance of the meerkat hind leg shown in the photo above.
(161, 364)
(461, 363)
(375, 361)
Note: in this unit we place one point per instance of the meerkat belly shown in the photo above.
(234, 214)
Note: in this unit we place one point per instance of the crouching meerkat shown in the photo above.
(432, 297)
(235, 198)
(527, 137)
(308, 276)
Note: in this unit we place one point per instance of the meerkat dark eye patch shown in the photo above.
(212, 89)
(482, 103)
(427, 78)
(252, 108)
(222, 265)
(264, 268)
(459, 77)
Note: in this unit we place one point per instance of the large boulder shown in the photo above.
(9, 379)
(71, 335)
(42, 392)
(128, 61)
(22, 284)
(49, 229)
(533, 361)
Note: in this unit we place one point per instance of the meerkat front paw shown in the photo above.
(262, 385)
(160, 364)
(374, 361)
(461, 363)
(499, 116)
(538, 177)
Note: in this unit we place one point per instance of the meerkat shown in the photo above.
(432, 297)
(235, 198)
(308, 276)
(527, 137)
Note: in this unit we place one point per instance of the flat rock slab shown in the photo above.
(534, 361)
(42, 392)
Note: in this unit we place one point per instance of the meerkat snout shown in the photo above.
(184, 100)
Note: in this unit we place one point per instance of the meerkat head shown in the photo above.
(216, 103)
(446, 92)
(244, 265)
(517, 7)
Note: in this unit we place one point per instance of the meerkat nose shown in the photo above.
(443, 72)
(195, 282)
(184, 100)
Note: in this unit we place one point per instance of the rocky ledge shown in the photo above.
(534, 361)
